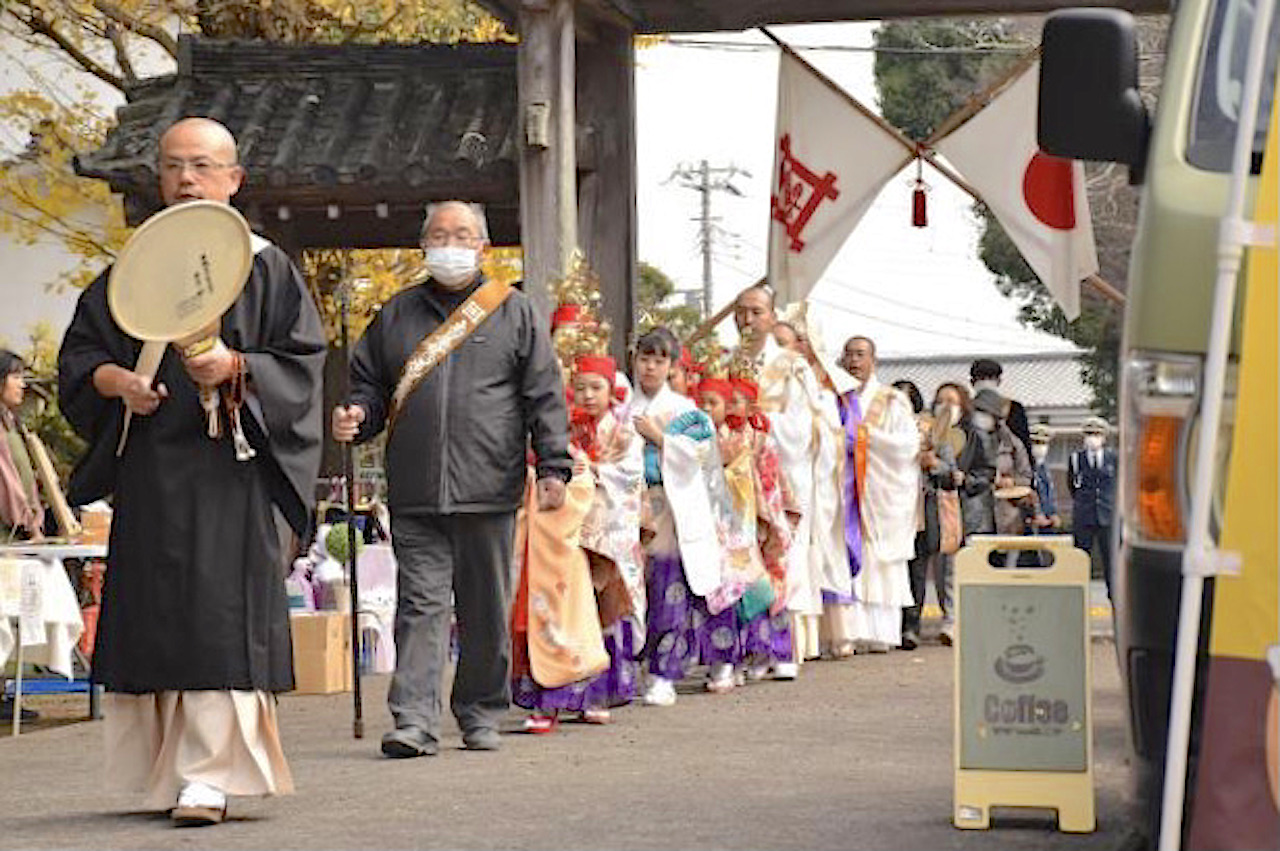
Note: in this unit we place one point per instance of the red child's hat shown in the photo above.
(746, 388)
(597, 365)
(719, 386)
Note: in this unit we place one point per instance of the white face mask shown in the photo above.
(1039, 451)
(1094, 442)
(984, 421)
(950, 413)
(452, 265)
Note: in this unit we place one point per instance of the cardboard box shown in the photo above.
(321, 652)
(95, 527)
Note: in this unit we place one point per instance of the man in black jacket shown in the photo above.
(456, 466)
(985, 373)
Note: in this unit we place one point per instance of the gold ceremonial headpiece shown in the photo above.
(576, 327)
(742, 366)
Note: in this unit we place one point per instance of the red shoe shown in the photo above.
(540, 723)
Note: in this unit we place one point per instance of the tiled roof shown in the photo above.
(332, 123)
(1038, 381)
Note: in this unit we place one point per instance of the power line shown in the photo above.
(750, 47)
(705, 179)
(935, 331)
(845, 285)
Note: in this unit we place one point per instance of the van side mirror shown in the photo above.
(1090, 107)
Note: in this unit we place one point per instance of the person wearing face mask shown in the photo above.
(985, 374)
(944, 442)
(1091, 478)
(1013, 464)
(462, 375)
(1046, 519)
(977, 466)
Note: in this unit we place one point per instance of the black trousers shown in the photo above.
(1086, 537)
(468, 557)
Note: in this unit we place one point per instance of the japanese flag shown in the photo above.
(830, 162)
(1040, 200)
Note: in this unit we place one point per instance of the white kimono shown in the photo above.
(888, 514)
(829, 568)
(786, 387)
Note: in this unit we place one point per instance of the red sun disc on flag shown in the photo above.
(1046, 187)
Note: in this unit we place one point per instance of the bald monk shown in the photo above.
(193, 642)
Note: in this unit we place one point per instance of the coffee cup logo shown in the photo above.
(1020, 664)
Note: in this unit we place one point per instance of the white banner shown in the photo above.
(830, 162)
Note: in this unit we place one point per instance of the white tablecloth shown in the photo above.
(54, 623)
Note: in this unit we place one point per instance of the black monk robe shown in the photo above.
(194, 595)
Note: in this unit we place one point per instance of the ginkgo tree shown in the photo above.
(109, 43)
(111, 46)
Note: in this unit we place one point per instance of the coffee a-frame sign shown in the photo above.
(1023, 713)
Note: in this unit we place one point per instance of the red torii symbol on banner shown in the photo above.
(795, 181)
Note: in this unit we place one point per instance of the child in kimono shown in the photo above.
(765, 633)
(682, 549)
(610, 537)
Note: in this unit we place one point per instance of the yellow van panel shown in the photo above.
(1245, 618)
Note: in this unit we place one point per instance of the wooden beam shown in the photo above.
(607, 192)
(548, 181)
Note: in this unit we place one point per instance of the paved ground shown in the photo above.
(855, 754)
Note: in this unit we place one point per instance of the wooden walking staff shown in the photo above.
(348, 473)
(719, 316)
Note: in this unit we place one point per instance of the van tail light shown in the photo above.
(1159, 503)
(1160, 400)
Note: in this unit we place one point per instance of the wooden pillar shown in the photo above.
(548, 179)
(607, 193)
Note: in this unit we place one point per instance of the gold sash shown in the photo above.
(437, 345)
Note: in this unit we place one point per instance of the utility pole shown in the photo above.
(705, 179)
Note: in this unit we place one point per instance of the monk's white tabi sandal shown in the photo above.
(199, 805)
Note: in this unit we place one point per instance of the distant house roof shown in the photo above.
(1042, 380)
(349, 139)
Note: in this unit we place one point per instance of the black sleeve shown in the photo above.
(979, 470)
(286, 374)
(87, 345)
(546, 415)
(371, 387)
(1018, 424)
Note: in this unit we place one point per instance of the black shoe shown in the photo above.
(483, 739)
(909, 642)
(6, 712)
(408, 742)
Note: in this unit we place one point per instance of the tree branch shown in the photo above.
(116, 35)
(142, 28)
(37, 24)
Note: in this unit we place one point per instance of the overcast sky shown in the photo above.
(915, 291)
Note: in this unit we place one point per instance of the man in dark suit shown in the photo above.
(985, 373)
(1091, 478)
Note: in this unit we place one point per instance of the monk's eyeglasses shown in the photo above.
(201, 166)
